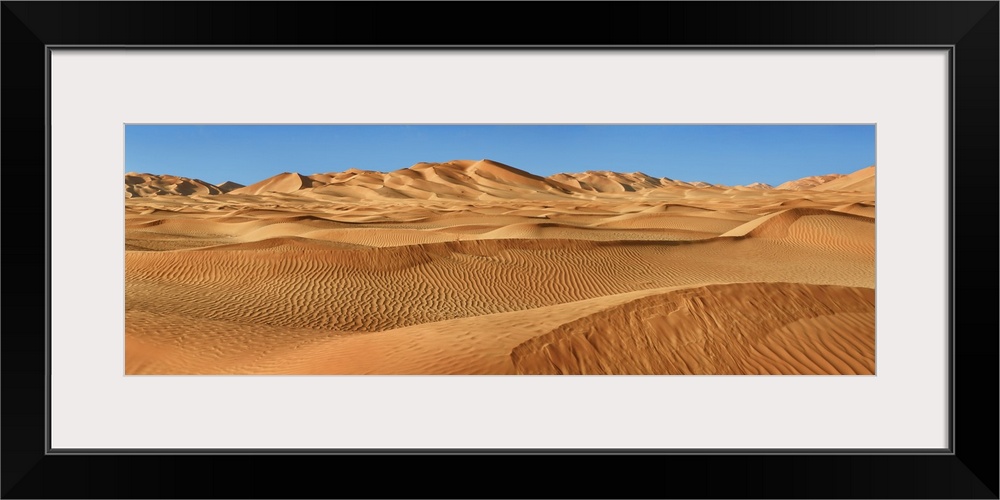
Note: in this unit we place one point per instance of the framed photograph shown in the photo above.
(730, 251)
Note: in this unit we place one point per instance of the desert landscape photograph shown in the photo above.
(499, 250)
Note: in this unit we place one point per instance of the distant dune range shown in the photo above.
(476, 267)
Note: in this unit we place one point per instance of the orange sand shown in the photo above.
(475, 267)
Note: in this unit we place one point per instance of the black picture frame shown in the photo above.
(968, 470)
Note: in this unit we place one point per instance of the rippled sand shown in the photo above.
(479, 268)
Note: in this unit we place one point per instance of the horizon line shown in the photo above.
(286, 172)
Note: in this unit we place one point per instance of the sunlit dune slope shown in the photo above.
(753, 328)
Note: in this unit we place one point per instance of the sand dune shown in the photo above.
(138, 185)
(287, 182)
(752, 328)
(477, 267)
(480, 180)
(228, 186)
(612, 182)
(808, 182)
(861, 181)
(760, 186)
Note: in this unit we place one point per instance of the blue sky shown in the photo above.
(719, 154)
